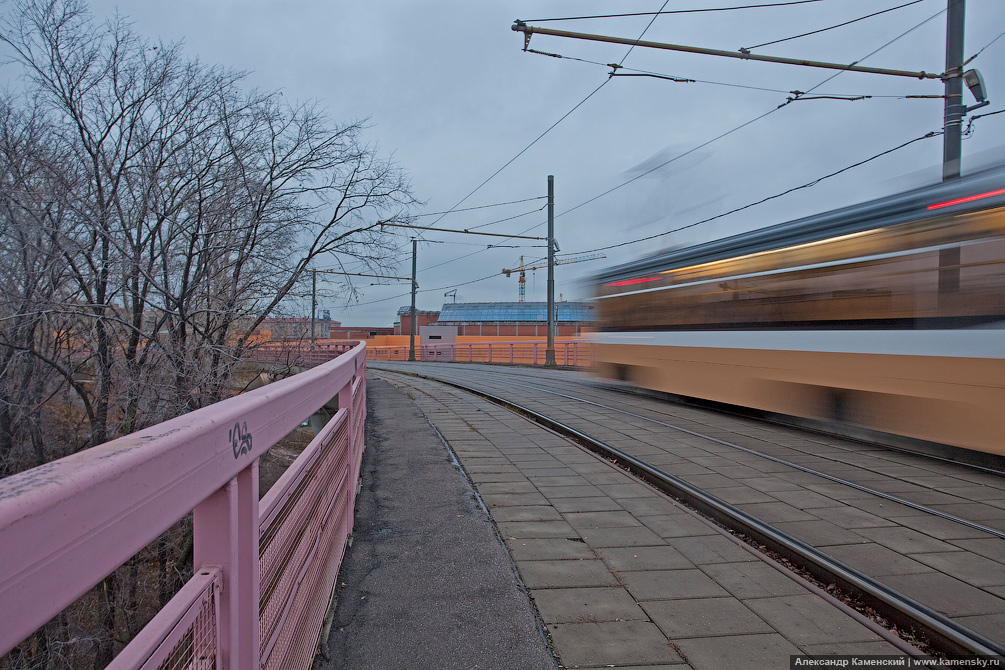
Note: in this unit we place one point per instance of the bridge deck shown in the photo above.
(619, 575)
(426, 583)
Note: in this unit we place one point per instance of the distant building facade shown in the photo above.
(299, 329)
(296, 329)
(504, 319)
(403, 326)
(357, 332)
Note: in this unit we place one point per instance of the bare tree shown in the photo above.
(35, 342)
(152, 215)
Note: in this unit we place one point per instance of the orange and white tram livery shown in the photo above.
(887, 316)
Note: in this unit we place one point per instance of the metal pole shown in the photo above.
(314, 300)
(954, 108)
(549, 354)
(952, 138)
(411, 339)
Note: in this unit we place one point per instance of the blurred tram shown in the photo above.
(884, 319)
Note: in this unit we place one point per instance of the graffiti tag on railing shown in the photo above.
(240, 439)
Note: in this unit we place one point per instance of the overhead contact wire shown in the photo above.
(967, 61)
(550, 128)
(770, 197)
(673, 11)
(470, 209)
(522, 151)
(839, 25)
(730, 132)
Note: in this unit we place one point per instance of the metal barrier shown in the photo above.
(573, 353)
(301, 354)
(265, 569)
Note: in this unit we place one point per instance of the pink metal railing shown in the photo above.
(300, 354)
(264, 569)
(573, 353)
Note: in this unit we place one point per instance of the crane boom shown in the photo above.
(543, 263)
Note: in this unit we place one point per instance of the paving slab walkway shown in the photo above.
(957, 570)
(621, 575)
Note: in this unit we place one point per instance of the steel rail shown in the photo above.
(939, 630)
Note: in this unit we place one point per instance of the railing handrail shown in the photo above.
(66, 525)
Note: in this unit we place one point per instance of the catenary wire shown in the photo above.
(630, 69)
(876, 51)
(673, 11)
(626, 183)
(644, 31)
(510, 218)
(712, 218)
(743, 125)
(770, 197)
(681, 79)
(549, 129)
(967, 61)
(523, 151)
(839, 25)
(718, 137)
(470, 209)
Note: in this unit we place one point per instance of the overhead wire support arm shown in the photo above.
(528, 31)
(799, 95)
(679, 80)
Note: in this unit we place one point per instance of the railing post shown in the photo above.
(225, 534)
(345, 399)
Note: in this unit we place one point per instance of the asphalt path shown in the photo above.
(427, 582)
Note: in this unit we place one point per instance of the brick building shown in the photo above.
(299, 329)
(422, 318)
(341, 332)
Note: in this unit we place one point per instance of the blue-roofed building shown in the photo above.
(515, 319)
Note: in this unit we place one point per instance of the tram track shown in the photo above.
(905, 612)
(637, 392)
(994, 532)
(795, 466)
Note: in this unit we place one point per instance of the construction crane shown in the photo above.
(543, 263)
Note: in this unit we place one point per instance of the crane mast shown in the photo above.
(543, 263)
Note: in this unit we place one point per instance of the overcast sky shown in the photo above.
(452, 96)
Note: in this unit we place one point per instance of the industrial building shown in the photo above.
(502, 319)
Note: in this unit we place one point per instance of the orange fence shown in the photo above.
(573, 354)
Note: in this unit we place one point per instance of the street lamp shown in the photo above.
(975, 82)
